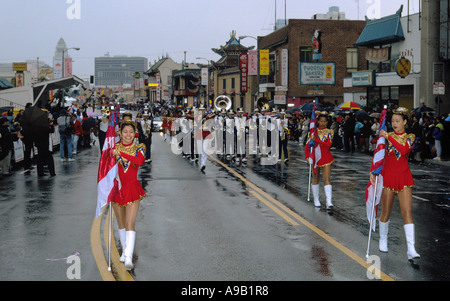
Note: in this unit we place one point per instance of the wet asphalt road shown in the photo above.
(213, 226)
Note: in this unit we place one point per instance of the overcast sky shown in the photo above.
(152, 28)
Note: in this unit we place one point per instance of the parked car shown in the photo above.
(157, 124)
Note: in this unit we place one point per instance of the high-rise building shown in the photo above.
(118, 70)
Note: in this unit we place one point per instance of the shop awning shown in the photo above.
(382, 31)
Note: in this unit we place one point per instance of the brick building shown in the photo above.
(337, 39)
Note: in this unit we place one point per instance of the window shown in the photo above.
(352, 60)
(224, 83)
(305, 54)
(232, 83)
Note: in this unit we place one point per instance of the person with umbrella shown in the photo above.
(38, 125)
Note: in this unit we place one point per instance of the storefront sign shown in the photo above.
(403, 67)
(317, 74)
(19, 66)
(377, 55)
(363, 78)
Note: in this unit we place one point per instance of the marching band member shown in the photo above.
(165, 125)
(323, 140)
(202, 132)
(129, 193)
(240, 124)
(262, 130)
(397, 179)
(230, 134)
(220, 132)
(283, 127)
(103, 127)
(145, 134)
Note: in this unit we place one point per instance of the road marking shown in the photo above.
(97, 250)
(318, 231)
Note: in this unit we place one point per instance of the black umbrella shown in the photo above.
(362, 115)
(88, 123)
(34, 119)
(309, 106)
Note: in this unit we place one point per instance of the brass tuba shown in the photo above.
(263, 103)
(222, 102)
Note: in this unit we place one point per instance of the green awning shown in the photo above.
(5, 84)
(382, 31)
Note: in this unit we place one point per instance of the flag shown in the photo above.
(376, 168)
(108, 168)
(313, 151)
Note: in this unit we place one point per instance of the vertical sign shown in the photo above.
(264, 62)
(243, 65)
(57, 67)
(67, 66)
(253, 62)
(204, 76)
(158, 88)
(284, 67)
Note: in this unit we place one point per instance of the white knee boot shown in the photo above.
(329, 195)
(384, 230)
(410, 241)
(122, 235)
(315, 191)
(130, 240)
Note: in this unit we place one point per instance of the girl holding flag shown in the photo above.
(397, 179)
(128, 190)
(318, 154)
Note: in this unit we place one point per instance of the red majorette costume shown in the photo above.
(396, 173)
(129, 189)
(324, 139)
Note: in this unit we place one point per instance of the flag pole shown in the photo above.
(309, 180)
(109, 238)
(372, 214)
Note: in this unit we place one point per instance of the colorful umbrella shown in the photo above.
(349, 105)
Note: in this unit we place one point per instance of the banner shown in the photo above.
(253, 62)
(57, 67)
(243, 66)
(284, 67)
(67, 66)
(264, 62)
(204, 76)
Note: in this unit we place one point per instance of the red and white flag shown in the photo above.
(375, 169)
(313, 152)
(108, 168)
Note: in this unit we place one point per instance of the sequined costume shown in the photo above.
(396, 173)
(131, 157)
(324, 139)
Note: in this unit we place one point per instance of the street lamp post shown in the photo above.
(63, 66)
(63, 63)
(207, 78)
